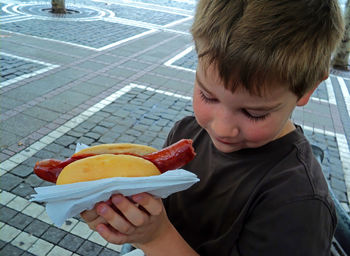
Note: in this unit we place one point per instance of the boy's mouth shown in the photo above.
(226, 142)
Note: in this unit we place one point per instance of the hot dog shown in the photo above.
(169, 158)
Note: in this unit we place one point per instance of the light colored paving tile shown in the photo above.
(34, 210)
(115, 247)
(40, 248)
(18, 203)
(45, 218)
(8, 233)
(96, 238)
(24, 241)
(68, 228)
(59, 251)
(6, 197)
(82, 230)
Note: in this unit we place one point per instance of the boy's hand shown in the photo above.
(124, 221)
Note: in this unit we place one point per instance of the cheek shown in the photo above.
(201, 111)
(259, 133)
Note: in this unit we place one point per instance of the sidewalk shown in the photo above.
(111, 72)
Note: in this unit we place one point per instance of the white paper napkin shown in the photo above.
(66, 201)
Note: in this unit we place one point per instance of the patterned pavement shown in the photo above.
(116, 71)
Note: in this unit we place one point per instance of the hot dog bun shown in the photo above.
(106, 166)
(120, 148)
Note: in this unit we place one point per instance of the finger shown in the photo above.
(111, 235)
(153, 205)
(114, 219)
(93, 224)
(89, 215)
(134, 215)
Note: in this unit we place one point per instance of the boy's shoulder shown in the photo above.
(186, 128)
(299, 171)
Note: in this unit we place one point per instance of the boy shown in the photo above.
(261, 191)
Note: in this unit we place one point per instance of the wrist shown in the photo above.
(168, 243)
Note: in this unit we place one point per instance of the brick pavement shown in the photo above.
(116, 72)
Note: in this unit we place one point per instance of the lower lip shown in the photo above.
(227, 143)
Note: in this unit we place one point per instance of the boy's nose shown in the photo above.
(225, 128)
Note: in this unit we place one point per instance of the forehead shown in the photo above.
(209, 75)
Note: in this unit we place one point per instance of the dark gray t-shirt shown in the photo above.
(271, 200)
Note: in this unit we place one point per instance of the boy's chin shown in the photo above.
(228, 148)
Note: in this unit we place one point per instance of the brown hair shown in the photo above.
(252, 41)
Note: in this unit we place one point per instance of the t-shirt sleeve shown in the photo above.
(303, 227)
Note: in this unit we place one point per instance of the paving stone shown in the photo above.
(100, 130)
(74, 133)
(54, 147)
(65, 140)
(66, 152)
(106, 124)
(88, 125)
(33, 180)
(108, 252)
(340, 195)
(85, 140)
(20, 221)
(30, 162)
(119, 129)
(93, 135)
(158, 143)
(22, 171)
(53, 235)
(44, 154)
(122, 113)
(140, 127)
(133, 133)
(71, 242)
(27, 254)
(109, 137)
(6, 214)
(80, 129)
(37, 228)
(89, 249)
(339, 184)
(96, 118)
(126, 139)
(10, 250)
(2, 244)
(162, 122)
(146, 122)
(155, 128)
(9, 181)
(23, 190)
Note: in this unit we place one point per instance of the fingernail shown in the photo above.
(99, 228)
(137, 198)
(117, 199)
(101, 209)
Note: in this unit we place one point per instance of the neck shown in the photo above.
(289, 127)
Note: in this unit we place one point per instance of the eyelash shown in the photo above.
(254, 118)
(205, 98)
(245, 112)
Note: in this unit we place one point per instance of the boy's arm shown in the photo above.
(171, 244)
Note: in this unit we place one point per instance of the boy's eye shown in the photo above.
(206, 98)
(255, 117)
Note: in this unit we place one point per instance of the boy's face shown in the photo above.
(240, 120)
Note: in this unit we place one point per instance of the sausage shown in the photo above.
(169, 158)
(172, 157)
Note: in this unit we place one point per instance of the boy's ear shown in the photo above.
(306, 97)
